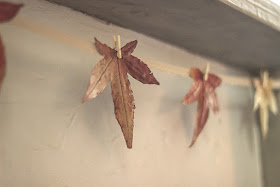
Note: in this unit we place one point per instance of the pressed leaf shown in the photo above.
(114, 69)
(8, 11)
(264, 99)
(204, 93)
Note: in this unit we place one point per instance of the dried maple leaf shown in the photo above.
(202, 91)
(7, 12)
(264, 98)
(114, 69)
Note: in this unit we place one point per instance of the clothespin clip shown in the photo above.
(117, 45)
(265, 78)
(206, 72)
(114, 42)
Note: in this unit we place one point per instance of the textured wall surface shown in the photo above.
(270, 154)
(48, 138)
(271, 150)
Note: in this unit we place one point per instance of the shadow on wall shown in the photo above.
(243, 128)
(171, 100)
(98, 115)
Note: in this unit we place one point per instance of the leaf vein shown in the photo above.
(125, 110)
(102, 75)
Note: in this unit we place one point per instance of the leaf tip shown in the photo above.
(97, 42)
(136, 42)
(192, 143)
(129, 144)
(85, 98)
(264, 135)
(20, 5)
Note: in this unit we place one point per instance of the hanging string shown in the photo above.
(74, 41)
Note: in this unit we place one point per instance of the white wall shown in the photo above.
(48, 138)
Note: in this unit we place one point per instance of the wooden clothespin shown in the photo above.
(206, 72)
(114, 42)
(265, 78)
(117, 45)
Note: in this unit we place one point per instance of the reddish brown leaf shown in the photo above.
(8, 11)
(114, 69)
(203, 92)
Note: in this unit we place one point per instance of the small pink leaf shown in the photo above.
(203, 92)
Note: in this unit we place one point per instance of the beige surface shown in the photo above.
(48, 138)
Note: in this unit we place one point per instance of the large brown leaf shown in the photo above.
(203, 92)
(7, 12)
(114, 69)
